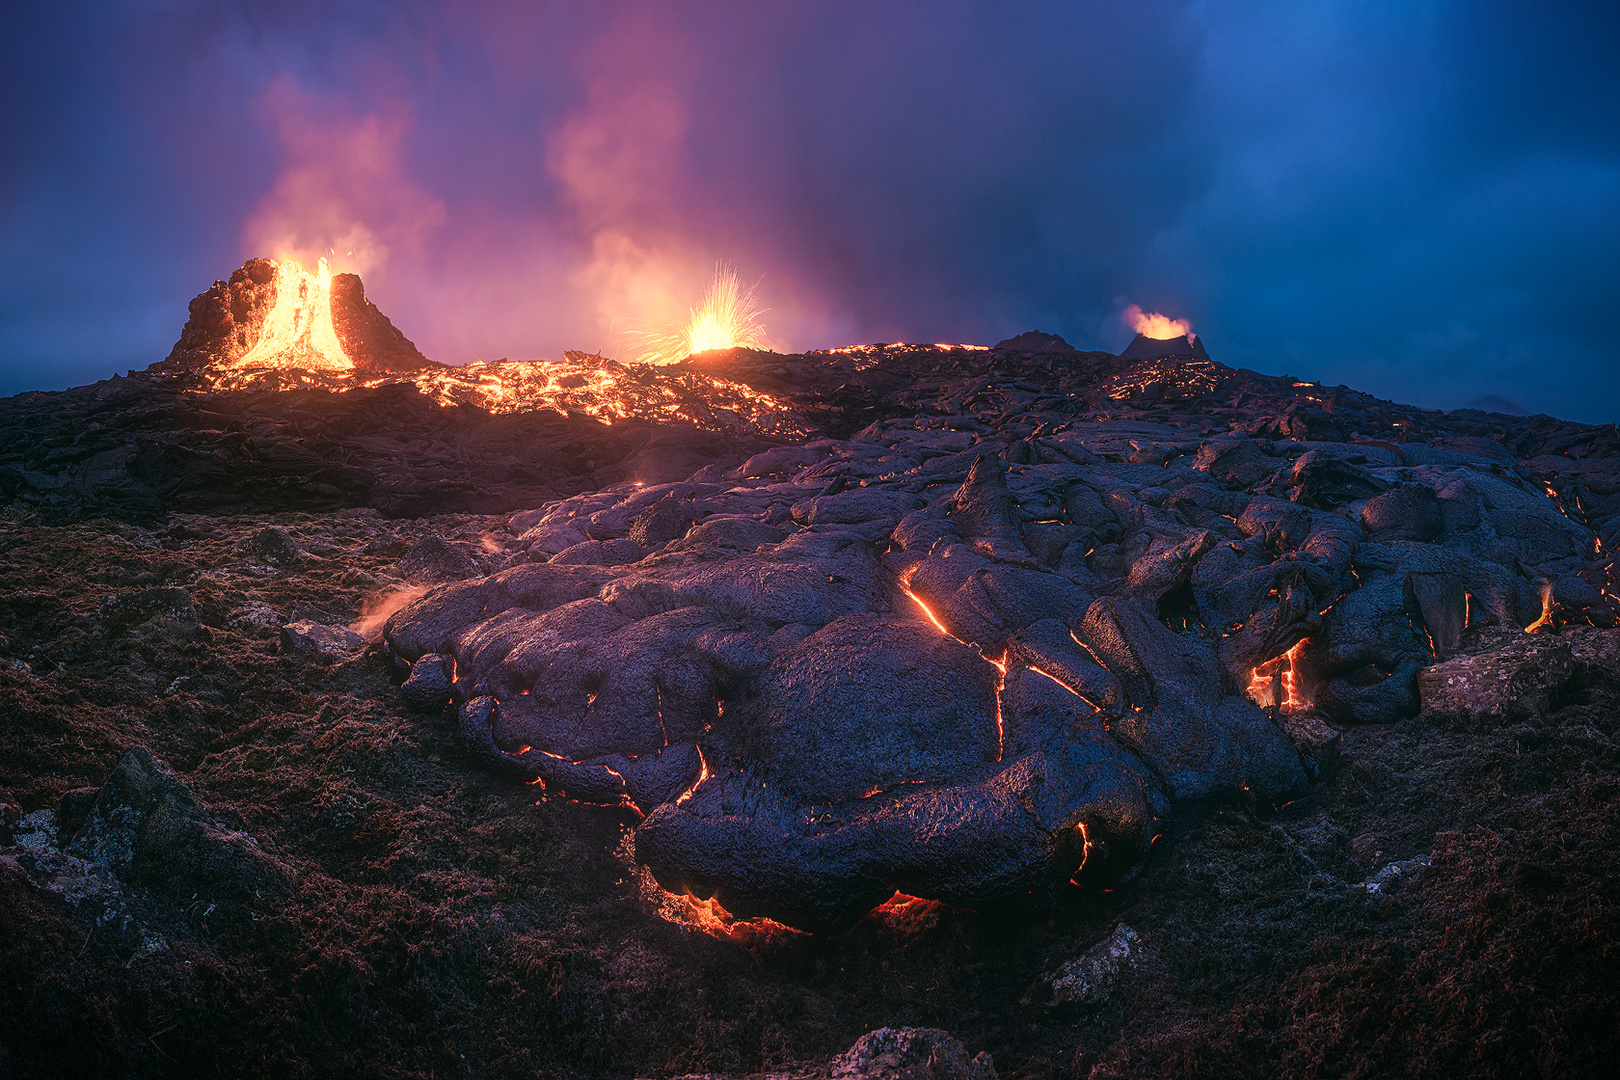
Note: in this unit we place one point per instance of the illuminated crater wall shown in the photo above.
(282, 316)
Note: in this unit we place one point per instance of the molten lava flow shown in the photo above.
(928, 611)
(1085, 853)
(727, 317)
(714, 920)
(1546, 620)
(905, 914)
(298, 332)
(1293, 686)
(1152, 324)
(1277, 682)
(703, 774)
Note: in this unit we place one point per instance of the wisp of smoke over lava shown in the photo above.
(727, 317)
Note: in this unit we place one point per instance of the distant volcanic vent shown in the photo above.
(278, 315)
(1035, 341)
(1159, 336)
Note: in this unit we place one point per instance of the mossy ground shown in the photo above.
(447, 923)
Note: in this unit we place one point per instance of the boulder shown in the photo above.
(274, 546)
(148, 828)
(313, 639)
(433, 558)
(910, 1054)
(1090, 978)
(1512, 675)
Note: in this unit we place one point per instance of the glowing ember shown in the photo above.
(727, 317)
(714, 920)
(1544, 623)
(1152, 324)
(298, 331)
(1277, 682)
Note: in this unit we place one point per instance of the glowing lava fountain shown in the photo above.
(1159, 336)
(727, 317)
(1151, 324)
(298, 330)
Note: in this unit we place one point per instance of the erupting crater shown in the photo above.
(1159, 336)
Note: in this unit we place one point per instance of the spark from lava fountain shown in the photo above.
(298, 331)
(1159, 327)
(727, 317)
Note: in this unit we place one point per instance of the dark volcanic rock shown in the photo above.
(432, 559)
(367, 337)
(1175, 608)
(910, 1054)
(869, 702)
(428, 688)
(1035, 341)
(723, 660)
(316, 640)
(148, 828)
(228, 320)
(1517, 678)
(272, 545)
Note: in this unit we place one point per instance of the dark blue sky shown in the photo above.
(1418, 199)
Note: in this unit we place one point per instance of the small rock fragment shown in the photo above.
(36, 831)
(314, 639)
(910, 1054)
(1395, 873)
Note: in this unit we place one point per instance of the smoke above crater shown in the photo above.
(516, 180)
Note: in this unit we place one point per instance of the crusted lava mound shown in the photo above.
(940, 660)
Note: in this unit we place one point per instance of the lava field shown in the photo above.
(843, 713)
